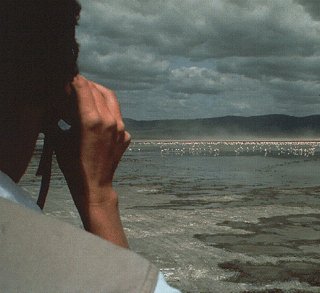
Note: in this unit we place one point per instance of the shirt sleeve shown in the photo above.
(163, 287)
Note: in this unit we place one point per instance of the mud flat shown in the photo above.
(222, 244)
(216, 224)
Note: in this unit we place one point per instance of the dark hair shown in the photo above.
(38, 49)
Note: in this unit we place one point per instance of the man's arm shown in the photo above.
(88, 156)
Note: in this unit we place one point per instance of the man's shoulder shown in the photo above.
(45, 254)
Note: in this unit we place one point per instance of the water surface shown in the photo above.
(217, 216)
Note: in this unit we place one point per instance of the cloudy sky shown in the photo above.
(204, 58)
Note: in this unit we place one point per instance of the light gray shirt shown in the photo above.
(9, 254)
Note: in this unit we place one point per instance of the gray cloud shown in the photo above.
(312, 7)
(211, 29)
(190, 58)
(287, 68)
(194, 80)
(126, 66)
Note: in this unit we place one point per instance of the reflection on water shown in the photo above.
(216, 216)
(229, 148)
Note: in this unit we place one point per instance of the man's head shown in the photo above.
(38, 55)
(38, 50)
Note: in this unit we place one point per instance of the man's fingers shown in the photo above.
(97, 105)
(127, 139)
(86, 102)
(122, 146)
(102, 105)
(114, 108)
(111, 100)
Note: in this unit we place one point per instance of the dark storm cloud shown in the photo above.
(312, 7)
(232, 57)
(206, 29)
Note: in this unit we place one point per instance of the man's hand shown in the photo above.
(88, 156)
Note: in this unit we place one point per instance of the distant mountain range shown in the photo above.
(228, 127)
